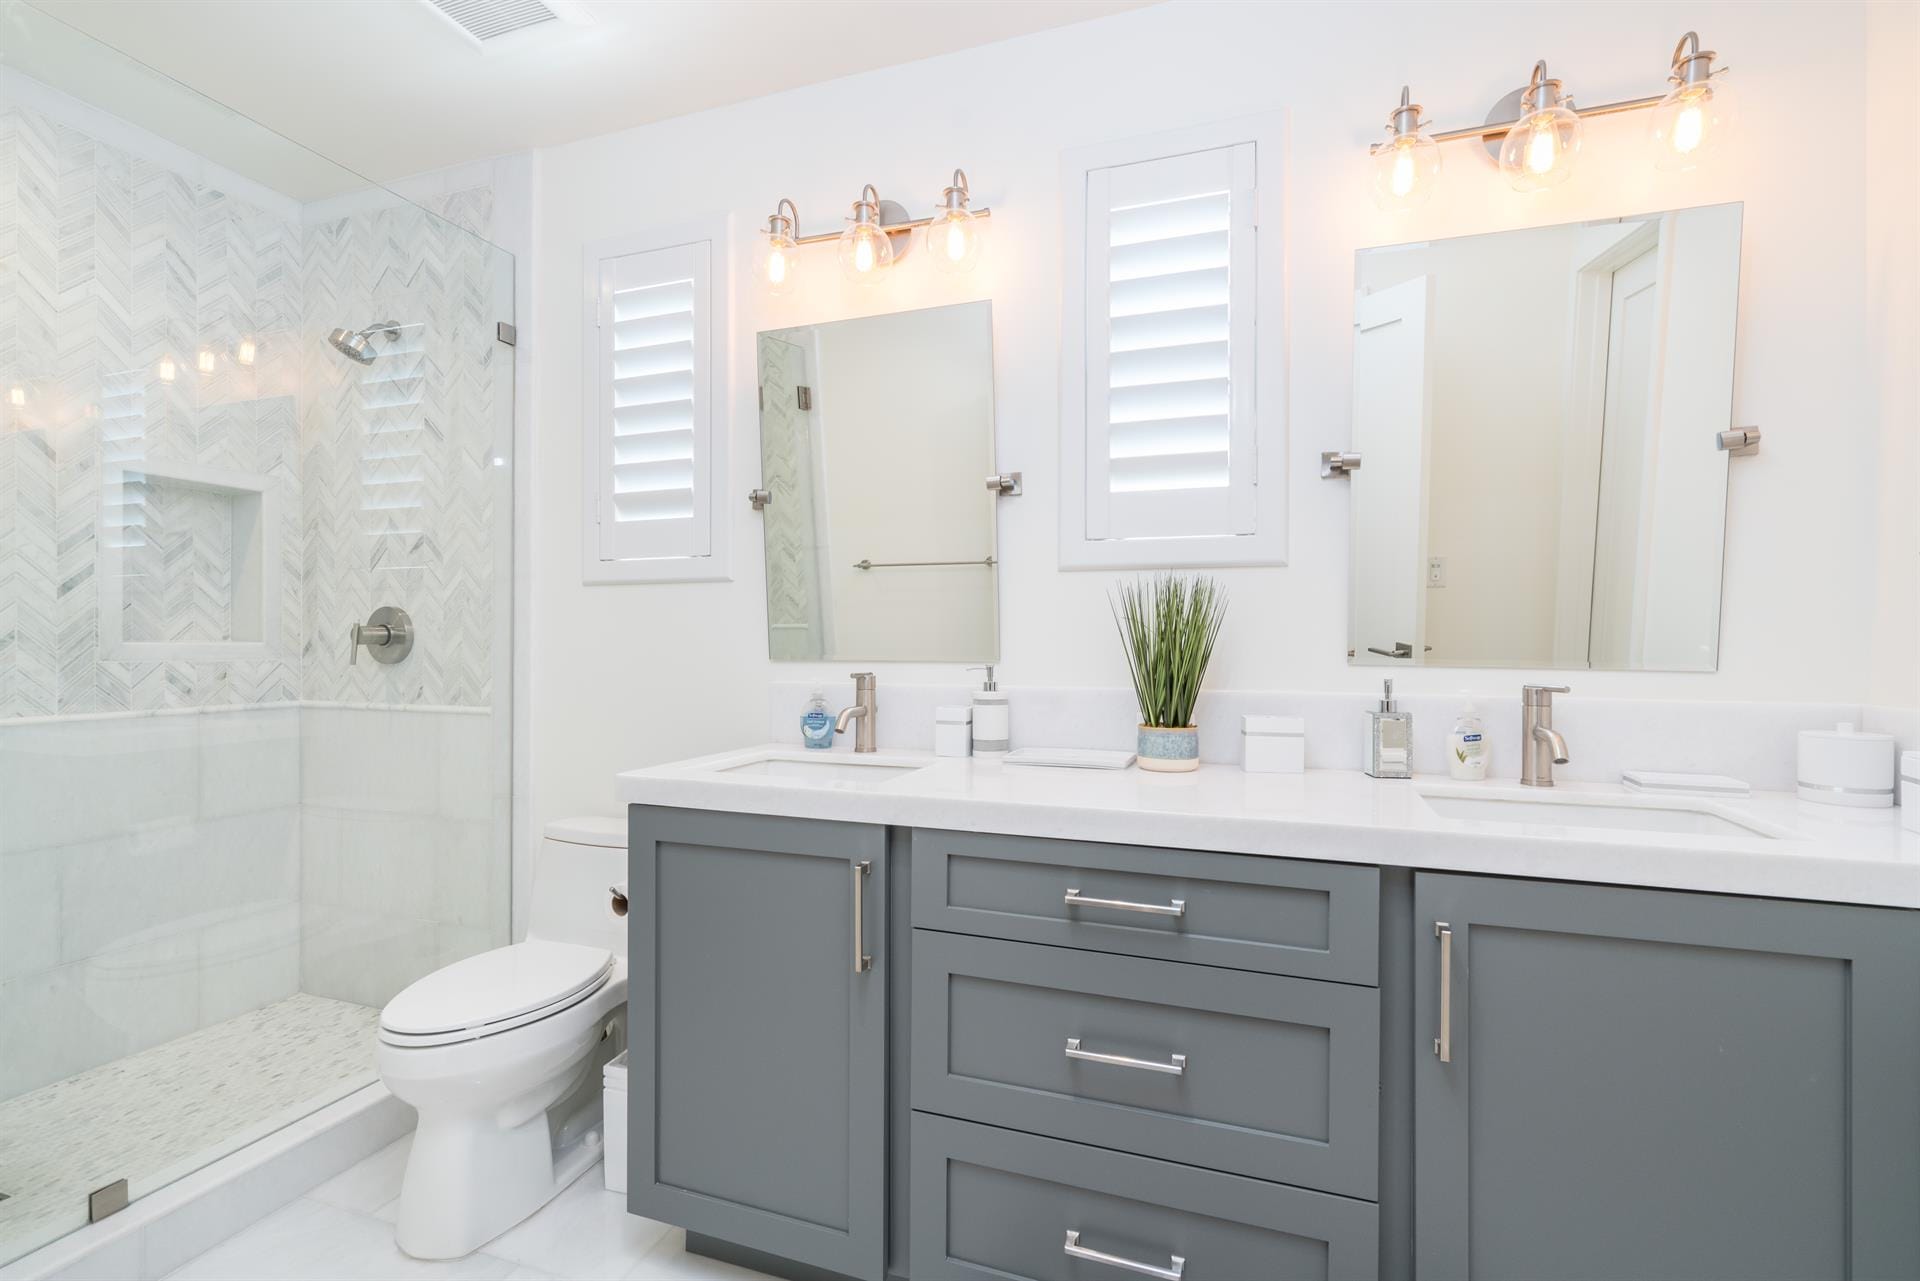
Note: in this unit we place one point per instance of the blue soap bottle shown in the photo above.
(816, 727)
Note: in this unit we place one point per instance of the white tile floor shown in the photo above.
(343, 1231)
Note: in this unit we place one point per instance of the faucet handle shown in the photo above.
(862, 680)
(1541, 695)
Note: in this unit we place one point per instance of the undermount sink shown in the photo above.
(1605, 813)
(827, 771)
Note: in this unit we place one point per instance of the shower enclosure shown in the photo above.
(246, 400)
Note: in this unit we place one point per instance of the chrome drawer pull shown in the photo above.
(1176, 1066)
(1077, 1251)
(1178, 907)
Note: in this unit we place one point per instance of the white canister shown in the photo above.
(1843, 766)
(1273, 744)
(953, 730)
(1910, 791)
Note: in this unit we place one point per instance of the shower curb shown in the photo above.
(191, 1215)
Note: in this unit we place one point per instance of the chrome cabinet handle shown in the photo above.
(1177, 907)
(862, 961)
(1077, 1251)
(1443, 1044)
(1175, 1066)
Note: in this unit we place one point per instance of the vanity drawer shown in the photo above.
(1275, 1078)
(1241, 911)
(997, 1203)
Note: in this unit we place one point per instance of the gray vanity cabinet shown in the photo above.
(1645, 1084)
(758, 1051)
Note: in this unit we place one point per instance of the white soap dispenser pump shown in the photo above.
(992, 718)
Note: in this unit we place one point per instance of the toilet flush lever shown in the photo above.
(387, 634)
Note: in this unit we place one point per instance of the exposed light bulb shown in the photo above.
(204, 361)
(865, 249)
(1696, 113)
(246, 352)
(779, 265)
(1538, 150)
(955, 234)
(167, 369)
(1406, 167)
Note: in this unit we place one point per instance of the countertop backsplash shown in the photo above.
(1750, 741)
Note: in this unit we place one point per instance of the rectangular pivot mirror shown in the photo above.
(876, 441)
(1538, 413)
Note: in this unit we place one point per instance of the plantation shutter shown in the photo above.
(1170, 358)
(655, 419)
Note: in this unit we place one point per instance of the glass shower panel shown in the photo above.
(224, 840)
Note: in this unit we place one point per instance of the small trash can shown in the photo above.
(614, 1102)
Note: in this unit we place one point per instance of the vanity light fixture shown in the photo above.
(1407, 165)
(877, 233)
(954, 235)
(1538, 151)
(1534, 133)
(780, 264)
(866, 249)
(1696, 114)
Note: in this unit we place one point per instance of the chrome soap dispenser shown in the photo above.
(1389, 739)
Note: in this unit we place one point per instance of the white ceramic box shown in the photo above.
(1273, 744)
(953, 730)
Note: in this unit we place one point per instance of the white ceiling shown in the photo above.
(390, 88)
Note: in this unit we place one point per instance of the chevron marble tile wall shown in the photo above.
(185, 839)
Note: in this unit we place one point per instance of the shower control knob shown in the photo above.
(387, 634)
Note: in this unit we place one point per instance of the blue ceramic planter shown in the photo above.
(1168, 751)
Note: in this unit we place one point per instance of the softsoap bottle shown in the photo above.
(1467, 745)
(1389, 739)
(816, 724)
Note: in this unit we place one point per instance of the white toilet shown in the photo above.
(501, 1053)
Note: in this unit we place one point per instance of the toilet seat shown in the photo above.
(493, 992)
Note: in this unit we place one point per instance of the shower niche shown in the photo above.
(189, 563)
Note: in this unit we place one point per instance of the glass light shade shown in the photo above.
(865, 251)
(1538, 152)
(778, 264)
(1689, 123)
(954, 239)
(1405, 171)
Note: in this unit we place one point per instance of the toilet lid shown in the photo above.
(495, 986)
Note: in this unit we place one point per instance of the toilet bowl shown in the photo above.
(501, 1054)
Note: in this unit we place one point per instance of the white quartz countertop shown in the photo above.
(1793, 849)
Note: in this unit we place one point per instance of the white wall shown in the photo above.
(629, 675)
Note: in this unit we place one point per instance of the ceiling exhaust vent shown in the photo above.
(485, 20)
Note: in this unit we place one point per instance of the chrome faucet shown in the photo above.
(865, 710)
(1541, 747)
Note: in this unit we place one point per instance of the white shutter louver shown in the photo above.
(1169, 361)
(655, 430)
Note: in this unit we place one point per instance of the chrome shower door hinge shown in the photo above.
(1006, 484)
(507, 334)
(1334, 464)
(758, 499)
(803, 397)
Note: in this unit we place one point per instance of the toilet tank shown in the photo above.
(577, 860)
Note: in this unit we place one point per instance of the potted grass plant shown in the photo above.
(1168, 625)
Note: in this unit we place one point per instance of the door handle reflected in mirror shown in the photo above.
(1401, 649)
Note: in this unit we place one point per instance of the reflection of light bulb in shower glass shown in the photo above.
(204, 360)
(17, 397)
(167, 369)
(246, 352)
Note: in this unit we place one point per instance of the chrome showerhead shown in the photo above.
(357, 344)
(352, 344)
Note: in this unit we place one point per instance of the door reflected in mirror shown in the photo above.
(1537, 415)
(876, 441)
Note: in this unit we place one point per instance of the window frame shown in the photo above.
(712, 314)
(1267, 543)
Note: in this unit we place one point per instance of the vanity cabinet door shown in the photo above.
(1650, 1084)
(758, 1045)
